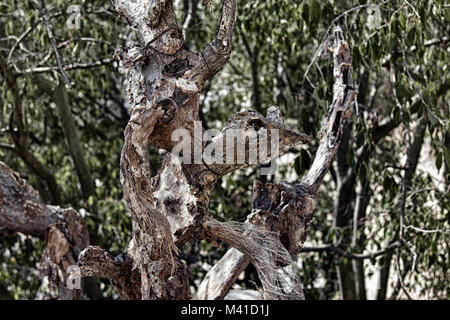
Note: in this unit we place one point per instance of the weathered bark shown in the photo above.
(285, 207)
(165, 81)
(65, 233)
(21, 207)
(119, 270)
(282, 208)
(221, 277)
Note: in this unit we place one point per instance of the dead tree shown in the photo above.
(165, 80)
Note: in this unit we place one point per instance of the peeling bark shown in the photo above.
(95, 261)
(164, 84)
(285, 207)
(65, 233)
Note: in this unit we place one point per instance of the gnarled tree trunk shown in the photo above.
(165, 81)
(164, 85)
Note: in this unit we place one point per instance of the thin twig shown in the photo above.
(357, 256)
(22, 36)
(50, 34)
(325, 37)
(7, 147)
(412, 7)
(73, 66)
(425, 230)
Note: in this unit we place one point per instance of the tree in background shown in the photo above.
(396, 141)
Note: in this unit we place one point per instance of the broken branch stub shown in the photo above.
(338, 111)
(126, 280)
(64, 231)
(285, 207)
(164, 84)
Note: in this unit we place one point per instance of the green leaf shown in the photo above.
(403, 92)
(439, 160)
(432, 117)
(447, 156)
(91, 201)
(362, 174)
(402, 20)
(302, 162)
(397, 115)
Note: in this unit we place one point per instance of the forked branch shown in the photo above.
(288, 209)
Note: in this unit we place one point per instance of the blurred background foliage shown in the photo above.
(389, 182)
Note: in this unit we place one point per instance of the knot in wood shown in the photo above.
(169, 108)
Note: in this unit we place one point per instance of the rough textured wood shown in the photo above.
(164, 85)
(95, 261)
(219, 280)
(21, 208)
(282, 208)
(65, 233)
(65, 239)
(338, 111)
(243, 295)
(165, 81)
(285, 207)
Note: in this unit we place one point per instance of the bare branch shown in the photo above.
(357, 256)
(6, 146)
(218, 51)
(94, 261)
(189, 14)
(323, 43)
(73, 66)
(338, 112)
(222, 275)
(155, 23)
(250, 123)
(421, 230)
(288, 208)
(49, 28)
(21, 210)
(18, 40)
